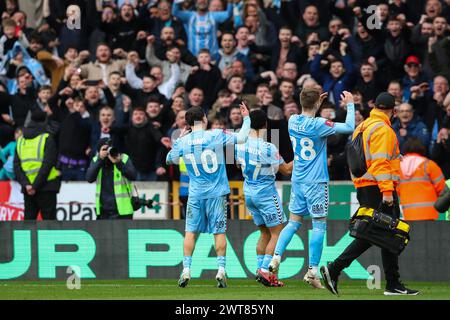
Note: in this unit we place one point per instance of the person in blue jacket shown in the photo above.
(408, 126)
(341, 74)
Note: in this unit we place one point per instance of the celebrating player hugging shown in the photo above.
(260, 161)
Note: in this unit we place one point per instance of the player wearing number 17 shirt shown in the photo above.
(309, 194)
(203, 153)
(260, 161)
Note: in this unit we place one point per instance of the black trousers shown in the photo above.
(371, 197)
(45, 202)
(112, 215)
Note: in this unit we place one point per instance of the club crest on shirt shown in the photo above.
(329, 123)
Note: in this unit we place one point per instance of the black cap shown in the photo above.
(385, 101)
(38, 115)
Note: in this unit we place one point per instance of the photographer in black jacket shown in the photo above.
(113, 172)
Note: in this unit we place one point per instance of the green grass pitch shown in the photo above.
(238, 289)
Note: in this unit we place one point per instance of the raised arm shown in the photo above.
(349, 125)
(168, 87)
(242, 136)
(152, 59)
(130, 74)
(183, 15)
(222, 16)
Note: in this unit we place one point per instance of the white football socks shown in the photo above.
(314, 269)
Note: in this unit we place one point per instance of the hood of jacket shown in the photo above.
(410, 163)
(34, 129)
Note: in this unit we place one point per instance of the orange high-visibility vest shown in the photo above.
(419, 192)
(381, 151)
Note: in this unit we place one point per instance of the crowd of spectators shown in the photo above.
(129, 70)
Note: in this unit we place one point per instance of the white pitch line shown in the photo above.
(118, 285)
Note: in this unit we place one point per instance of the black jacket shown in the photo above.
(143, 146)
(21, 104)
(186, 55)
(75, 136)
(107, 198)
(140, 98)
(442, 204)
(294, 54)
(49, 161)
(122, 34)
(428, 109)
(209, 81)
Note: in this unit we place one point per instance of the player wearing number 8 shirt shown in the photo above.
(309, 194)
(206, 211)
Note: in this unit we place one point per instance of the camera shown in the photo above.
(113, 152)
(138, 203)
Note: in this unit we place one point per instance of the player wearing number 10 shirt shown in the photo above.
(309, 194)
(206, 211)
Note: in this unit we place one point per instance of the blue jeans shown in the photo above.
(72, 173)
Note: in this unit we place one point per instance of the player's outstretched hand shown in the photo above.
(244, 109)
(347, 97)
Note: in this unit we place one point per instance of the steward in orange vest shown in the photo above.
(421, 182)
(375, 189)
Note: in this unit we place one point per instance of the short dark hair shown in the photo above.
(393, 19)
(258, 119)
(224, 93)
(309, 98)
(235, 76)
(139, 109)
(263, 84)
(241, 27)
(71, 46)
(106, 107)
(328, 105)
(115, 72)
(204, 50)
(193, 115)
(102, 44)
(78, 99)
(287, 80)
(286, 27)
(172, 47)
(45, 87)
(336, 60)
(221, 120)
(366, 63)
(227, 32)
(414, 145)
(151, 76)
(396, 82)
(153, 99)
(36, 37)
